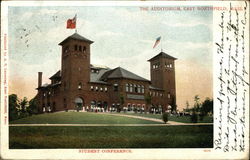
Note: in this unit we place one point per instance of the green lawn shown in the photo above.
(79, 118)
(183, 119)
(111, 137)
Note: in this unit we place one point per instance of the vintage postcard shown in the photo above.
(125, 80)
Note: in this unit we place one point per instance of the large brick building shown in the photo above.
(79, 84)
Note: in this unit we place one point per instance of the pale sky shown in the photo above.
(123, 36)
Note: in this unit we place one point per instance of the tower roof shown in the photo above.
(162, 55)
(77, 37)
(121, 73)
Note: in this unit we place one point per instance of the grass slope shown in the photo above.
(79, 118)
(183, 119)
(111, 137)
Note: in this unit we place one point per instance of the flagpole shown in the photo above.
(76, 25)
(161, 45)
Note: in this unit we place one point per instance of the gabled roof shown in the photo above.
(162, 55)
(56, 75)
(77, 37)
(121, 73)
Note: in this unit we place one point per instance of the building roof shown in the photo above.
(121, 73)
(77, 37)
(95, 77)
(56, 75)
(162, 55)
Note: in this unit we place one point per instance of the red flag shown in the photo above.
(71, 23)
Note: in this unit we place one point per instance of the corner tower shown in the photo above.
(162, 73)
(75, 63)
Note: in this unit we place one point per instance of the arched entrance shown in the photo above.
(79, 103)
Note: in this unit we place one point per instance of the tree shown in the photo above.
(165, 117)
(195, 109)
(23, 105)
(33, 107)
(197, 103)
(187, 105)
(13, 105)
(194, 116)
(207, 106)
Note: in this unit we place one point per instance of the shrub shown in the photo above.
(165, 117)
(194, 117)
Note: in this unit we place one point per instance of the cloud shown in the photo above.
(186, 24)
(108, 33)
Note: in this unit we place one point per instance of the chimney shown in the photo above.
(40, 77)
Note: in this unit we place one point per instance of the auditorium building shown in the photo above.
(81, 85)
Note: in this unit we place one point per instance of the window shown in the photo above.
(84, 49)
(170, 65)
(96, 88)
(127, 87)
(101, 89)
(139, 88)
(105, 89)
(131, 87)
(80, 86)
(49, 92)
(44, 94)
(115, 87)
(142, 89)
(136, 89)
(80, 48)
(92, 88)
(75, 47)
(169, 95)
(66, 49)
